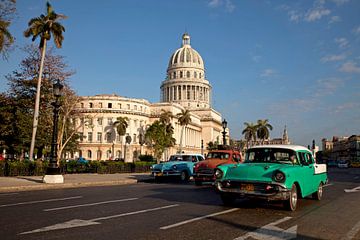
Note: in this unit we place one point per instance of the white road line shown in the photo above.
(7, 194)
(89, 204)
(352, 233)
(40, 201)
(198, 218)
(82, 223)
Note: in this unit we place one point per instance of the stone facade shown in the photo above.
(185, 87)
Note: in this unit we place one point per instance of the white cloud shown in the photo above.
(334, 19)
(342, 42)
(356, 30)
(333, 58)
(268, 73)
(346, 106)
(340, 2)
(328, 86)
(256, 58)
(295, 16)
(350, 67)
(316, 14)
(228, 4)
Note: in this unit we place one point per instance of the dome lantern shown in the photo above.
(185, 39)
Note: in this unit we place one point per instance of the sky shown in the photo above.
(295, 63)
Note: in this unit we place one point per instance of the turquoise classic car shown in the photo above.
(179, 165)
(273, 172)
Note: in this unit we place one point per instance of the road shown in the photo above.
(170, 210)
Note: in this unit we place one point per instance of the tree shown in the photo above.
(7, 10)
(44, 27)
(184, 120)
(263, 129)
(19, 98)
(159, 136)
(121, 125)
(166, 116)
(249, 132)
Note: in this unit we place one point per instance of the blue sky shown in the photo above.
(296, 63)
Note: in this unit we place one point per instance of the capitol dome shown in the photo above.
(186, 56)
(185, 81)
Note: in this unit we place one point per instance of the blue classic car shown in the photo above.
(179, 165)
(273, 172)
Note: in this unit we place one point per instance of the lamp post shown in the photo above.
(53, 171)
(224, 125)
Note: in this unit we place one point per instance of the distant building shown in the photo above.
(185, 87)
(341, 149)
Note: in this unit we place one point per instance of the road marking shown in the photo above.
(356, 189)
(81, 223)
(40, 201)
(352, 233)
(7, 194)
(198, 218)
(89, 204)
(271, 231)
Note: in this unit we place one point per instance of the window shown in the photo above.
(119, 104)
(100, 120)
(109, 105)
(82, 105)
(90, 136)
(108, 137)
(89, 154)
(98, 155)
(195, 74)
(110, 121)
(134, 138)
(108, 154)
(135, 107)
(128, 106)
(99, 136)
(188, 74)
(199, 75)
(141, 108)
(100, 105)
(174, 75)
(91, 105)
(181, 74)
(81, 136)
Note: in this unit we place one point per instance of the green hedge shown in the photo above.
(38, 168)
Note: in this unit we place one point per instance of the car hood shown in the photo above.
(211, 163)
(253, 171)
(168, 165)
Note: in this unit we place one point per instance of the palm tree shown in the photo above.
(165, 116)
(250, 132)
(263, 129)
(184, 120)
(121, 125)
(5, 36)
(43, 27)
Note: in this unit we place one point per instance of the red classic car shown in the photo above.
(204, 170)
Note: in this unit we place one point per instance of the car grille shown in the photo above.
(258, 187)
(206, 171)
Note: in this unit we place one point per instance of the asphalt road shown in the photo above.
(170, 210)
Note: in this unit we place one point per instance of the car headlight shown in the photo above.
(151, 167)
(279, 176)
(218, 173)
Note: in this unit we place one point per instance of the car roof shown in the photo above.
(285, 146)
(187, 154)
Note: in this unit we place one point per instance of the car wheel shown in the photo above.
(227, 199)
(291, 203)
(184, 177)
(318, 194)
(198, 183)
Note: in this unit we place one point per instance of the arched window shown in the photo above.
(188, 74)
(199, 75)
(195, 74)
(108, 154)
(174, 75)
(89, 156)
(98, 155)
(118, 154)
(181, 74)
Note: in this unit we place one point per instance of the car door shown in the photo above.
(306, 174)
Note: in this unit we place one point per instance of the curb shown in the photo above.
(45, 186)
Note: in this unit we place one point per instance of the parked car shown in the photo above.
(179, 165)
(355, 164)
(331, 163)
(343, 164)
(204, 170)
(82, 160)
(273, 172)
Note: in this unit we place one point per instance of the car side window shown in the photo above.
(200, 158)
(236, 157)
(309, 158)
(302, 158)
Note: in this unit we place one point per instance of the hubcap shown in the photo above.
(293, 198)
(320, 191)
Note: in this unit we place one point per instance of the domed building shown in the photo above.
(185, 88)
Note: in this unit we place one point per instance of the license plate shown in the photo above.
(247, 187)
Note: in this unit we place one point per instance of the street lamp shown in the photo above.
(53, 171)
(224, 125)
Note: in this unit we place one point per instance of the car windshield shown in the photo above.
(274, 155)
(219, 155)
(181, 158)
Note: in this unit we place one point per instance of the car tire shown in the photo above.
(184, 176)
(198, 183)
(318, 194)
(291, 203)
(227, 199)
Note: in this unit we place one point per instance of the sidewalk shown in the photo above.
(29, 183)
